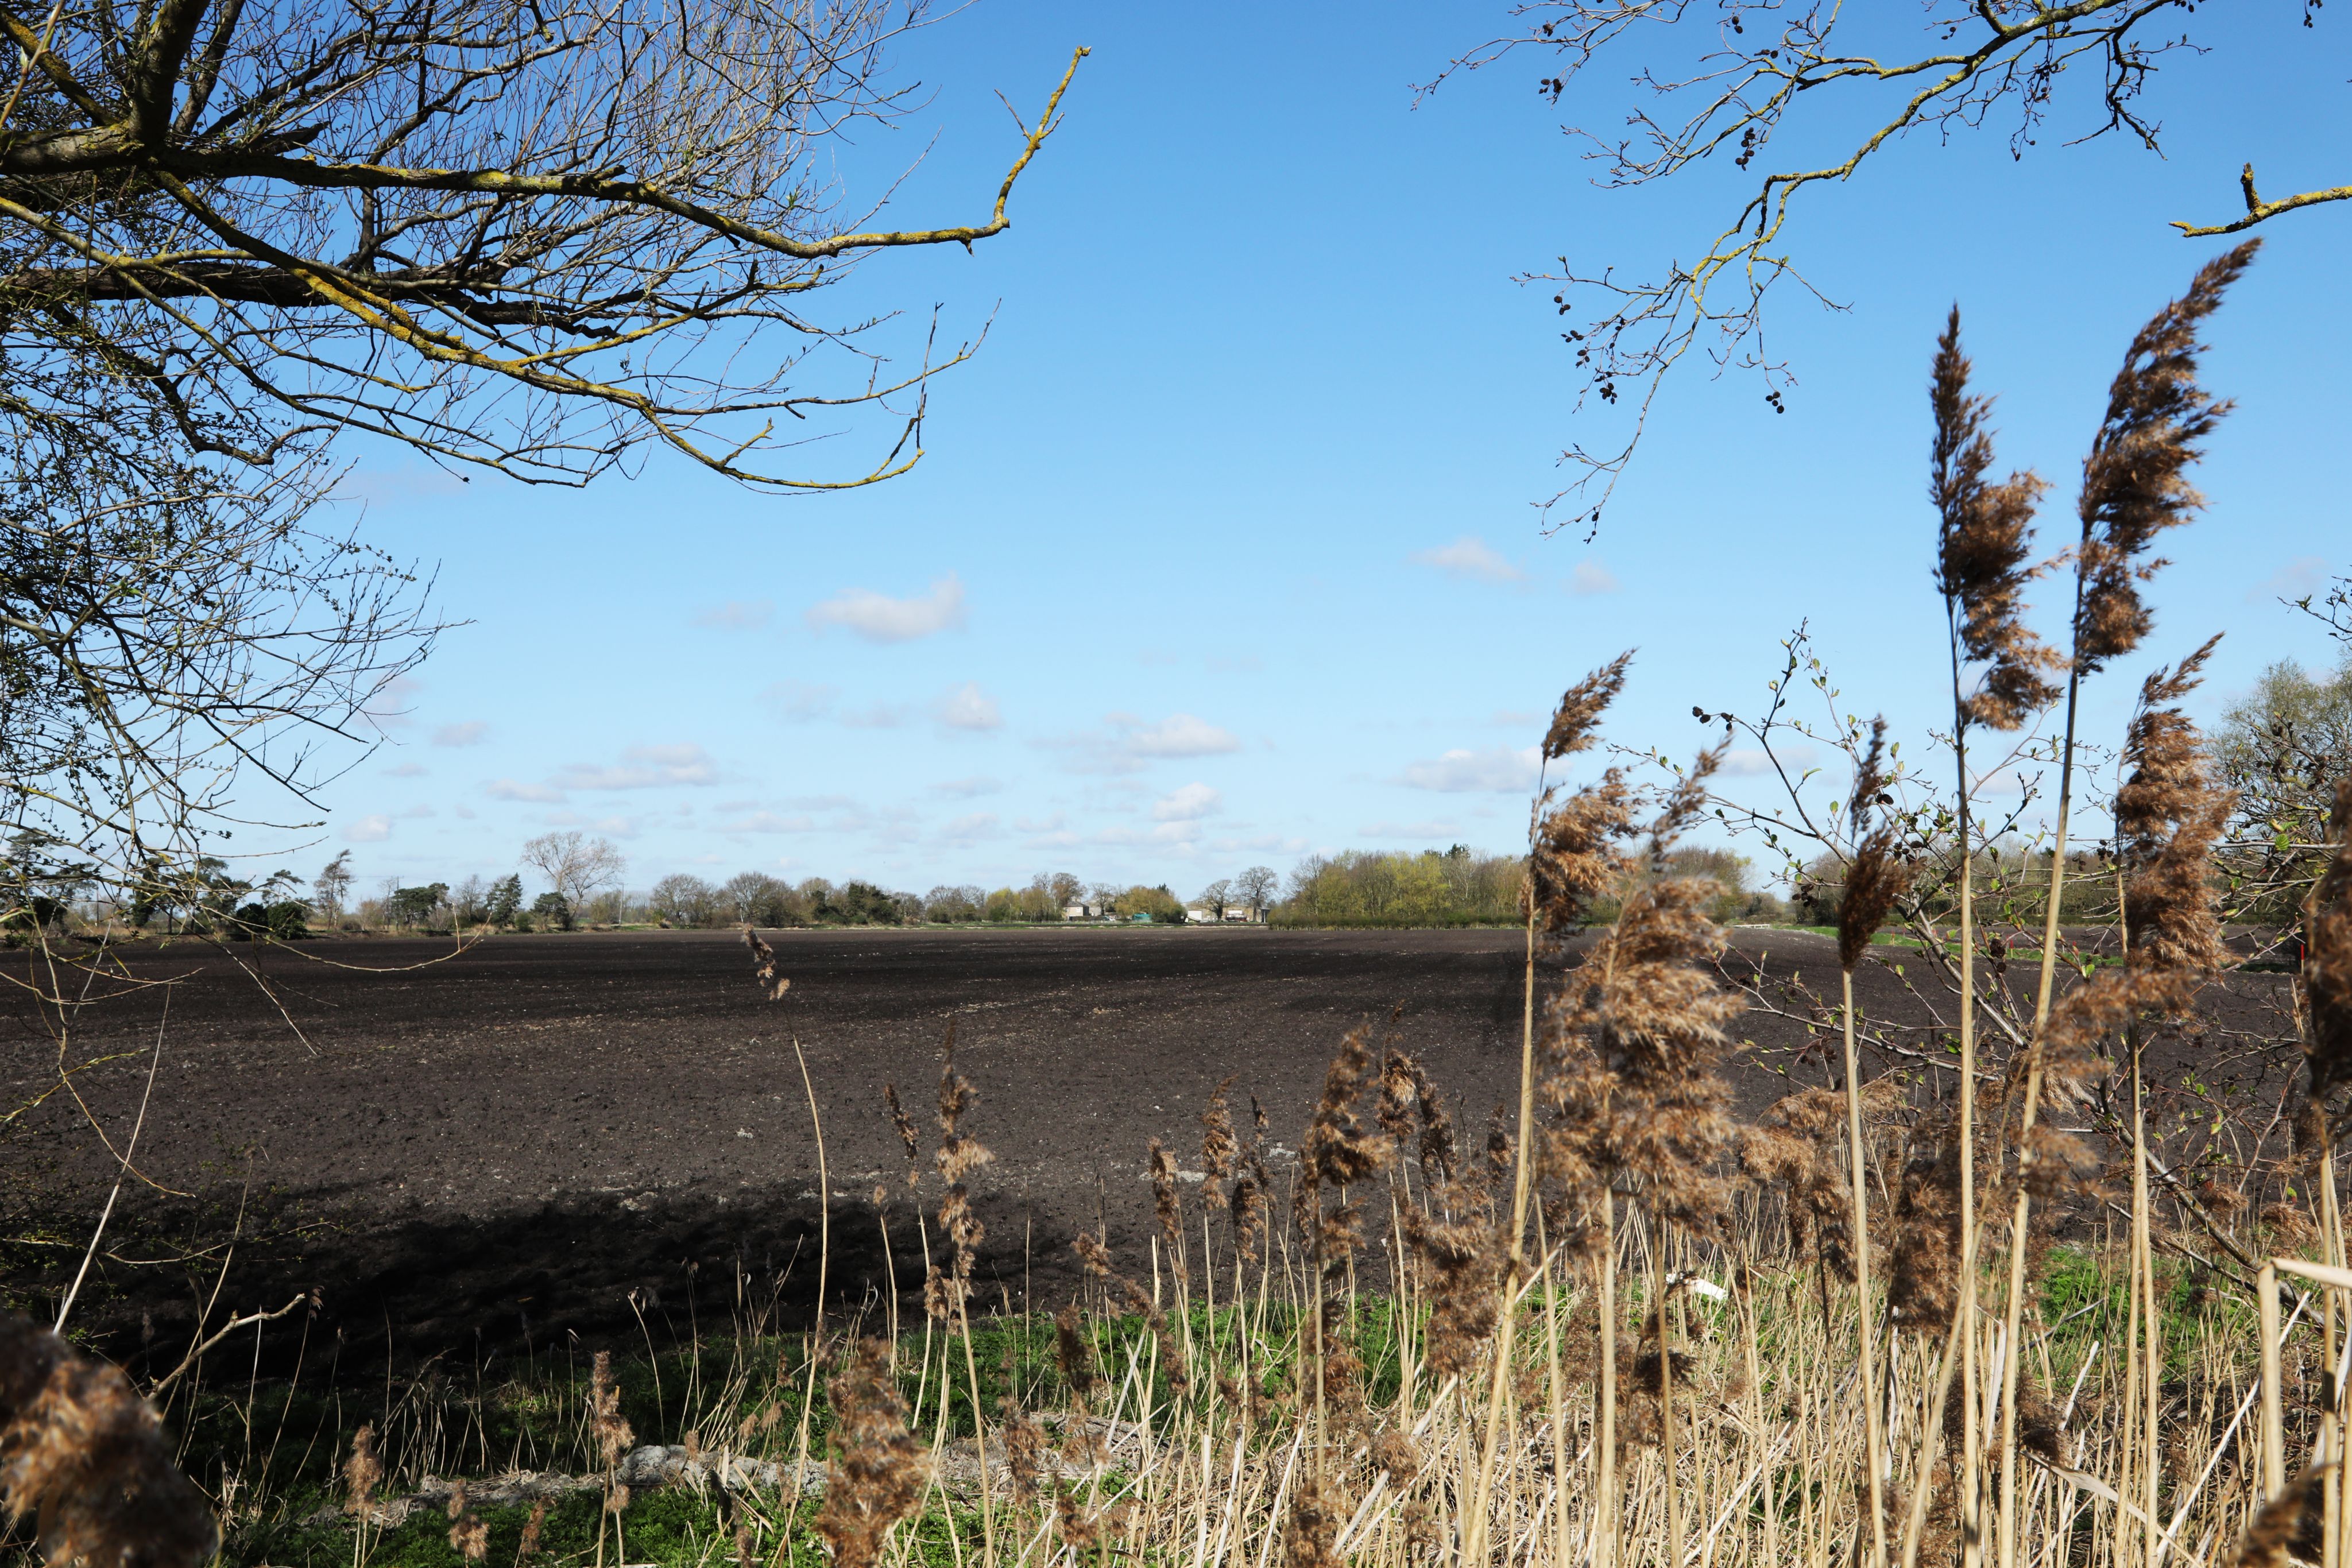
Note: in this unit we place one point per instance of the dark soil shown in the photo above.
(506, 1144)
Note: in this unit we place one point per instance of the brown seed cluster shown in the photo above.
(1877, 878)
(1984, 534)
(2135, 483)
(84, 1457)
(879, 1470)
(763, 966)
(2327, 960)
(945, 1291)
(2169, 814)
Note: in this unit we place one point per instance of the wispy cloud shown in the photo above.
(644, 768)
(965, 789)
(405, 770)
(1470, 557)
(768, 822)
(2293, 580)
(968, 708)
(882, 619)
(969, 828)
(877, 716)
(738, 614)
(1591, 577)
(516, 790)
(797, 701)
(472, 732)
(1260, 843)
(1190, 803)
(1496, 769)
(369, 830)
(1435, 829)
(1178, 735)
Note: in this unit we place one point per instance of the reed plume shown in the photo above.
(2327, 961)
(469, 1535)
(2168, 815)
(945, 1291)
(2135, 482)
(879, 1470)
(763, 966)
(907, 1136)
(362, 1471)
(1984, 538)
(84, 1456)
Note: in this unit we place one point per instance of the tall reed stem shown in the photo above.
(1872, 1415)
(1475, 1515)
(2014, 1308)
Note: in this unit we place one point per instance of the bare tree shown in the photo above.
(575, 864)
(1217, 896)
(527, 235)
(1728, 83)
(1253, 890)
(182, 657)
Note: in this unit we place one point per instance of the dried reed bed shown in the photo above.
(1617, 1329)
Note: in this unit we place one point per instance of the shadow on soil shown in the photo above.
(601, 1272)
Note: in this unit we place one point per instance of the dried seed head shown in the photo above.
(1466, 1260)
(469, 1536)
(1166, 1208)
(607, 1424)
(2328, 960)
(906, 1134)
(2169, 814)
(1876, 877)
(2134, 484)
(362, 1471)
(1218, 1147)
(1984, 534)
(879, 1470)
(1581, 707)
(1575, 853)
(763, 966)
(83, 1455)
(529, 1547)
(1073, 1354)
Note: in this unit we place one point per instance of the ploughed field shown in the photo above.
(508, 1143)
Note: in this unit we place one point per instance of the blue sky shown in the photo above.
(1223, 547)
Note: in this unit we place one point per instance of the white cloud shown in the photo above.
(968, 708)
(644, 768)
(965, 828)
(738, 614)
(1430, 830)
(1496, 769)
(405, 770)
(388, 706)
(1470, 557)
(768, 822)
(420, 810)
(881, 619)
(1263, 843)
(797, 701)
(470, 733)
(965, 789)
(1591, 577)
(1178, 735)
(1188, 804)
(2293, 580)
(514, 789)
(1749, 761)
(372, 829)
(878, 716)
(463, 811)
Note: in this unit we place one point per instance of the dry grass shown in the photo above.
(1885, 1330)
